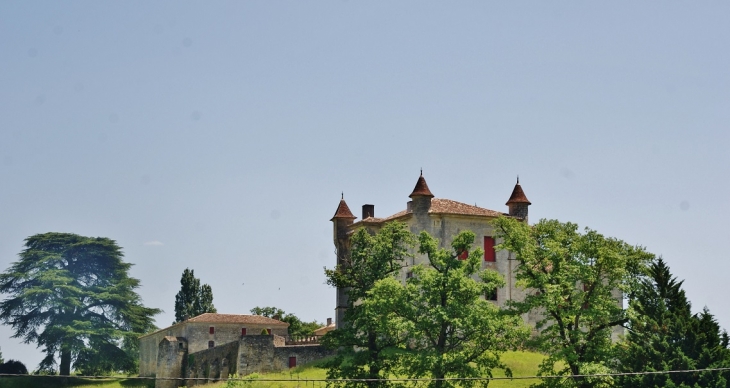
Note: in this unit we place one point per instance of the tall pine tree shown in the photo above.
(664, 335)
(192, 299)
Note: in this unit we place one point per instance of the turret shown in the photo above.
(421, 203)
(341, 222)
(518, 202)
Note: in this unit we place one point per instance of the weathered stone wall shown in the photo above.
(170, 358)
(148, 347)
(214, 363)
(198, 334)
(304, 354)
(257, 354)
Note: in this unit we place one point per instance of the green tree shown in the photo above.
(192, 299)
(663, 334)
(450, 329)
(372, 258)
(577, 282)
(68, 292)
(297, 327)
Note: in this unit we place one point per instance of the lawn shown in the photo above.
(521, 363)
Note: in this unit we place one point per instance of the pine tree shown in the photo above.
(192, 299)
(664, 335)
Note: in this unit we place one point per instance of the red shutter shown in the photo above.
(463, 255)
(268, 331)
(243, 331)
(292, 362)
(489, 254)
(211, 330)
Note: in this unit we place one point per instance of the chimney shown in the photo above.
(368, 211)
(329, 321)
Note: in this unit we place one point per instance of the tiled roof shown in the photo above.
(447, 206)
(225, 318)
(343, 211)
(421, 189)
(438, 206)
(236, 318)
(518, 196)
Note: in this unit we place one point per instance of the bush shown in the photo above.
(264, 332)
(13, 367)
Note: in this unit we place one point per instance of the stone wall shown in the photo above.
(214, 363)
(170, 361)
(257, 354)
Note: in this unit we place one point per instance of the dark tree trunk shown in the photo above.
(65, 367)
(374, 372)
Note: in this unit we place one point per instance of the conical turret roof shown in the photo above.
(343, 211)
(518, 196)
(421, 189)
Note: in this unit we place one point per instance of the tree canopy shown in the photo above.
(577, 282)
(297, 327)
(448, 328)
(192, 299)
(373, 257)
(72, 296)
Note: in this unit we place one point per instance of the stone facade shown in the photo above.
(213, 346)
(203, 332)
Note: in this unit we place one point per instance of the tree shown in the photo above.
(577, 281)
(192, 299)
(68, 292)
(450, 329)
(13, 367)
(663, 334)
(297, 327)
(372, 258)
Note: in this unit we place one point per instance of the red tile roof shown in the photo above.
(518, 196)
(421, 189)
(343, 211)
(236, 318)
(447, 206)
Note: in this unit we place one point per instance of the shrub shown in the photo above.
(13, 367)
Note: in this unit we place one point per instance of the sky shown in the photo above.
(219, 136)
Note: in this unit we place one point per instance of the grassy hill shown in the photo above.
(521, 363)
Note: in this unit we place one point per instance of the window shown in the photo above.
(491, 295)
(211, 344)
(292, 362)
(243, 331)
(409, 274)
(268, 331)
(463, 255)
(180, 345)
(211, 330)
(489, 254)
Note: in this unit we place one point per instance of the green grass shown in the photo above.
(72, 382)
(521, 364)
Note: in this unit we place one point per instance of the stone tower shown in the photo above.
(518, 202)
(342, 220)
(421, 204)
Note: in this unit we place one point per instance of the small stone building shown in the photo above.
(214, 346)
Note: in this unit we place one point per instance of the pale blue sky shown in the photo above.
(219, 135)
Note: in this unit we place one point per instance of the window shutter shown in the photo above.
(489, 254)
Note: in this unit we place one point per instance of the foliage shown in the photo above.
(264, 332)
(451, 331)
(13, 367)
(664, 335)
(576, 282)
(297, 327)
(192, 299)
(372, 258)
(68, 292)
